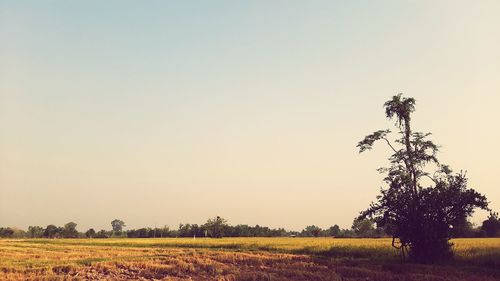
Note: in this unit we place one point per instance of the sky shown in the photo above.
(168, 112)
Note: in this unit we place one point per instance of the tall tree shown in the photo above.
(419, 215)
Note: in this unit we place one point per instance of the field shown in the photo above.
(236, 259)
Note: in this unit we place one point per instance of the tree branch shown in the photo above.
(434, 180)
(390, 145)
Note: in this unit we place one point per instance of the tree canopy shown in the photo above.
(117, 226)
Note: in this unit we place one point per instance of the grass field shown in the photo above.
(236, 259)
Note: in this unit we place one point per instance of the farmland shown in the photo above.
(236, 259)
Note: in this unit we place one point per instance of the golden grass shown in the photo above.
(235, 259)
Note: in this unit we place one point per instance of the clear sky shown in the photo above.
(162, 112)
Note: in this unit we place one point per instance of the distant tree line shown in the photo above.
(218, 227)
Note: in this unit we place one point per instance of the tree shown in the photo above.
(190, 230)
(51, 231)
(102, 234)
(363, 227)
(6, 232)
(463, 229)
(312, 230)
(90, 233)
(117, 226)
(334, 231)
(419, 215)
(18, 233)
(35, 231)
(491, 226)
(216, 227)
(69, 230)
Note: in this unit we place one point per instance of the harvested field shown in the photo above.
(236, 259)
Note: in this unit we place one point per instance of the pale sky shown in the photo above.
(162, 112)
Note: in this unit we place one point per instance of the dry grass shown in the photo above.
(235, 259)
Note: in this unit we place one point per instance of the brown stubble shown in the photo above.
(143, 259)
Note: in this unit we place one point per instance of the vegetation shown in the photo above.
(216, 227)
(420, 216)
(236, 259)
(423, 207)
(360, 229)
(117, 226)
(69, 230)
(491, 226)
(90, 233)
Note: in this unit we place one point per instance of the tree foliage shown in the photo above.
(190, 230)
(333, 231)
(312, 230)
(51, 231)
(216, 227)
(69, 230)
(117, 226)
(90, 233)
(363, 227)
(35, 231)
(491, 226)
(419, 215)
(6, 232)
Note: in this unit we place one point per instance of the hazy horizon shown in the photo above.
(175, 112)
